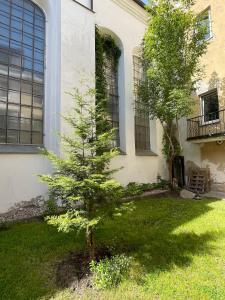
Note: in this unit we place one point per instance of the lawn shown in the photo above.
(178, 248)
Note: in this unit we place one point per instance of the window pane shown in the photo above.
(3, 70)
(14, 72)
(4, 31)
(3, 82)
(25, 137)
(15, 60)
(22, 46)
(2, 136)
(27, 75)
(13, 123)
(13, 110)
(25, 124)
(210, 106)
(37, 101)
(38, 89)
(37, 114)
(26, 87)
(39, 77)
(14, 97)
(26, 99)
(16, 23)
(4, 42)
(26, 112)
(36, 138)
(2, 109)
(4, 57)
(14, 85)
(37, 126)
(3, 95)
(12, 136)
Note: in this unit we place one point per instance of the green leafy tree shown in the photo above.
(173, 44)
(83, 175)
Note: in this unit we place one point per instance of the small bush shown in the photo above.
(110, 272)
(133, 189)
(4, 225)
(51, 207)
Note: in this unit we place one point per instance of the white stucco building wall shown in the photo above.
(70, 59)
(18, 176)
(127, 21)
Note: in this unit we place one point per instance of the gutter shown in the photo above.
(139, 2)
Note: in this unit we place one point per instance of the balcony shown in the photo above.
(207, 128)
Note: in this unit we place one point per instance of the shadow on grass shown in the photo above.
(148, 233)
(29, 251)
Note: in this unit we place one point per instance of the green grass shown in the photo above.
(178, 248)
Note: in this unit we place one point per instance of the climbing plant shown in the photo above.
(105, 46)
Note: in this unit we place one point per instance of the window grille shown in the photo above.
(111, 72)
(142, 122)
(22, 54)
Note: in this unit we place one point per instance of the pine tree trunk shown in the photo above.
(90, 243)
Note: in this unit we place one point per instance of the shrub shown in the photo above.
(133, 189)
(51, 207)
(4, 225)
(110, 272)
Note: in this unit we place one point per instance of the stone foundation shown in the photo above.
(25, 210)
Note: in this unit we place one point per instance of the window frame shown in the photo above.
(202, 107)
(140, 122)
(112, 66)
(208, 11)
(18, 146)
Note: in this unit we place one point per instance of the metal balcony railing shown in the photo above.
(206, 126)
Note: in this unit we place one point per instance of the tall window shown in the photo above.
(22, 51)
(111, 71)
(142, 122)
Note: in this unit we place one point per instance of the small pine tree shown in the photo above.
(83, 175)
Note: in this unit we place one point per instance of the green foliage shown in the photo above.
(133, 189)
(104, 46)
(172, 47)
(110, 272)
(4, 225)
(83, 174)
(171, 241)
(51, 207)
(136, 189)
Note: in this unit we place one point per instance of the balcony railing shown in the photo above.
(206, 126)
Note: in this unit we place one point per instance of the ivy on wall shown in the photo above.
(104, 46)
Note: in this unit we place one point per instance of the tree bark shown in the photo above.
(170, 168)
(90, 243)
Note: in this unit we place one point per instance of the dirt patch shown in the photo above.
(74, 271)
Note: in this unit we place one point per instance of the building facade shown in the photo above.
(47, 48)
(204, 132)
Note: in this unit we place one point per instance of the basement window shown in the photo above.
(210, 107)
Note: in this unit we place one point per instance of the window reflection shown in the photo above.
(22, 44)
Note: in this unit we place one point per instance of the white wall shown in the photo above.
(18, 176)
(70, 58)
(78, 52)
(127, 21)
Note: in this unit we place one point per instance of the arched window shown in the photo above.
(111, 72)
(22, 53)
(142, 121)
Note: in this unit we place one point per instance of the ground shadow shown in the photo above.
(150, 232)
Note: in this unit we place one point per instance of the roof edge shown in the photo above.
(139, 2)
